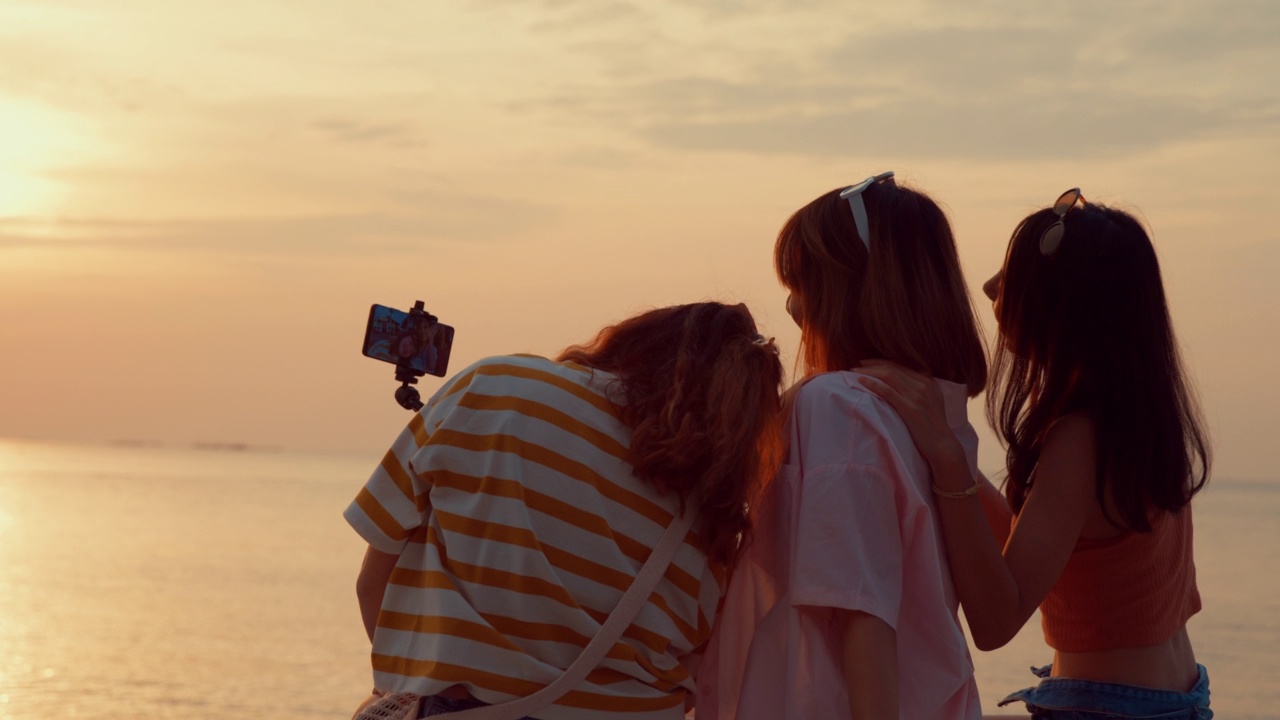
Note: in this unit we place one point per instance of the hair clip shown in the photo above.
(765, 342)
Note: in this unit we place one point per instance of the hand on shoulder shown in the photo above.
(918, 400)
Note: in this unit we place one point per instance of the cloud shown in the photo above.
(596, 156)
(441, 222)
(561, 16)
(859, 118)
(64, 71)
(988, 81)
(1207, 31)
(399, 135)
(1080, 124)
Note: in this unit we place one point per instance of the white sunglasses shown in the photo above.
(1052, 236)
(854, 195)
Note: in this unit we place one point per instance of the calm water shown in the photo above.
(142, 582)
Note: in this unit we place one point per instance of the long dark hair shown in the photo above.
(1087, 330)
(703, 401)
(906, 300)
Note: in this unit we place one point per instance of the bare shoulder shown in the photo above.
(1071, 434)
(1068, 457)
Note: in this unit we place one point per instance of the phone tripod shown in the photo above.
(407, 395)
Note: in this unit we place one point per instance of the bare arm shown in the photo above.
(999, 590)
(371, 585)
(999, 515)
(870, 656)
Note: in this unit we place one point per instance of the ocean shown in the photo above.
(141, 582)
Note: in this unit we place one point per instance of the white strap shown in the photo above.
(619, 620)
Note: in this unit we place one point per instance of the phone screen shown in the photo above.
(418, 343)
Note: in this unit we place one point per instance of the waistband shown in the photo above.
(1124, 701)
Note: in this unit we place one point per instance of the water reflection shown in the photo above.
(139, 582)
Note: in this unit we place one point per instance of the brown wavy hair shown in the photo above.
(905, 301)
(702, 397)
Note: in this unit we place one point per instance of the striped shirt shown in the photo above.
(519, 525)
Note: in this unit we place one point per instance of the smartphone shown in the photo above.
(417, 342)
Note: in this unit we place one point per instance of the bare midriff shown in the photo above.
(1170, 665)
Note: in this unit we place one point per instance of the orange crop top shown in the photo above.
(1134, 590)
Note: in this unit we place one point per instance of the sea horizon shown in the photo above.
(141, 580)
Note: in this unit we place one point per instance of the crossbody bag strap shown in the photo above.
(618, 621)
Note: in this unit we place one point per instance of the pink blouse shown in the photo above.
(849, 523)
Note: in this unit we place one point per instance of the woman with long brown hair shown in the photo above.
(1105, 450)
(522, 501)
(842, 605)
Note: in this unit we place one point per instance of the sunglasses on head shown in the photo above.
(1052, 236)
(854, 195)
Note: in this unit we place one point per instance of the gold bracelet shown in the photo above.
(967, 492)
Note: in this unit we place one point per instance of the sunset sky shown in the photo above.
(199, 201)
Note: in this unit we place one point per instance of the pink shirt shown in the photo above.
(849, 523)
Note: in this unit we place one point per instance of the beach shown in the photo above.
(218, 582)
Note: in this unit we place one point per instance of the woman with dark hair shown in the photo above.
(521, 502)
(842, 605)
(1105, 451)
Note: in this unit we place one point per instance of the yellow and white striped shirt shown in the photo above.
(519, 525)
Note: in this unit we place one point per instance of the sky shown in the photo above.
(199, 201)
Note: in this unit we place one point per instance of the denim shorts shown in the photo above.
(440, 705)
(1068, 699)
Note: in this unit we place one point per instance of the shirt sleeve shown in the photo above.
(848, 550)
(848, 499)
(394, 501)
